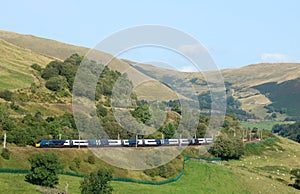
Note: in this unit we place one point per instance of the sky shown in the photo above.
(236, 33)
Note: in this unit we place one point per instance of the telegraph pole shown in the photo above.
(4, 141)
(79, 141)
(136, 140)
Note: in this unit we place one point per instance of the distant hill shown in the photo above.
(248, 83)
(244, 84)
(150, 82)
(284, 96)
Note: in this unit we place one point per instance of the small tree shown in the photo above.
(142, 113)
(97, 183)
(169, 130)
(44, 169)
(91, 159)
(5, 153)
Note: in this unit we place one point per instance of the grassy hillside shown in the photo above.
(198, 178)
(59, 50)
(264, 124)
(15, 65)
(274, 163)
(284, 95)
(257, 74)
(41, 45)
(242, 79)
(246, 83)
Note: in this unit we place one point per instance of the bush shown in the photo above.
(91, 159)
(36, 67)
(75, 164)
(7, 95)
(56, 83)
(44, 169)
(5, 153)
(97, 183)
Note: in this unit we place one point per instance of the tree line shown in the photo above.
(291, 131)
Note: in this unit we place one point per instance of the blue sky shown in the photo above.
(236, 33)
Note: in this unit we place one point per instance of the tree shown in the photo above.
(227, 148)
(169, 130)
(176, 107)
(5, 153)
(44, 169)
(142, 113)
(295, 174)
(97, 183)
(56, 83)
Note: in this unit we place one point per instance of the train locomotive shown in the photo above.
(122, 142)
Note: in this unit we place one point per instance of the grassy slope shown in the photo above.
(41, 45)
(264, 124)
(242, 78)
(198, 178)
(285, 94)
(15, 65)
(274, 163)
(59, 50)
(246, 77)
(257, 74)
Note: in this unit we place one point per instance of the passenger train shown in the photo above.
(122, 142)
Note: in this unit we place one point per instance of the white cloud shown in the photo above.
(276, 58)
(188, 69)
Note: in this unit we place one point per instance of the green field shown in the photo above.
(264, 124)
(198, 178)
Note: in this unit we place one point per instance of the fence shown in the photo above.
(20, 171)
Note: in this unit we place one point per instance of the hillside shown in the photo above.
(246, 80)
(43, 46)
(15, 65)
(58, 50)
(244, 84)
(248, 84)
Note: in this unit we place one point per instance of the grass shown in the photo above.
(264, 124)
(275, 162)
(198, 178)
(15, 65)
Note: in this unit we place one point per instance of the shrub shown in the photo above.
(44, 169)
(97, 183)
(91, 159)
(36, 67)
(7, 95)
(5, 153)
